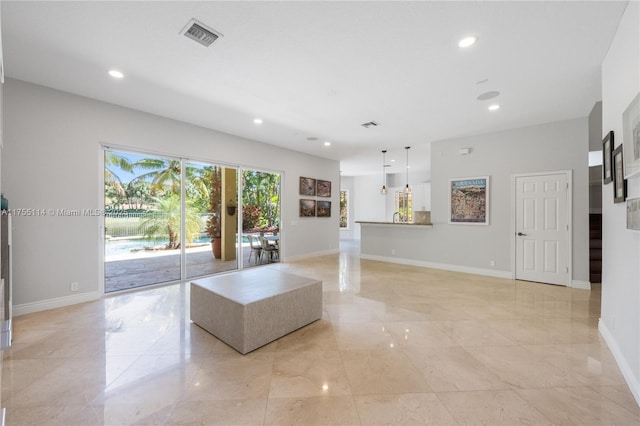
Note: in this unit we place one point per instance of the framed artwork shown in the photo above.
(607, 150)
(469, 201)
(323, 209)
(323, 188)
(633, 214)
(619, 182)
(631, 138)
(307, 208)
(307, 186)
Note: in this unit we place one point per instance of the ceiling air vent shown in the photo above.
(370, 124)
(199, 32)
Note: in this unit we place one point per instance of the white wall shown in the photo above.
(399, 180)
(51, 160)
(368, 203)
(548, 147)
(595, 127)
(620, 316)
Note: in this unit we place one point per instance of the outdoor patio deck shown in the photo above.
(159, 267)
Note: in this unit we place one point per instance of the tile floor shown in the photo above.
(396, 345)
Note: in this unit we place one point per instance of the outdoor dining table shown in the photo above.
(272, 238)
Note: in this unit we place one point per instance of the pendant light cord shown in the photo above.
(383, 191)
(407, 189)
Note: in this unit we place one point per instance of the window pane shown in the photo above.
(260, 217)
(344, 209)
(211, 244)
(142, 220)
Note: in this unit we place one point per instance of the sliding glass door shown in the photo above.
(142, 196)
(170, 219)
(211, 215)
(167, 219)
(260, 217)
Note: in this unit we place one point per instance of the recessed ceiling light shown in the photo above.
(116, 74)
(467, 41)
(327, 143)
(494, 107)
(257, 120)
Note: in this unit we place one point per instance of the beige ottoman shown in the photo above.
(250, 308)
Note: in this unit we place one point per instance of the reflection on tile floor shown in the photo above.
(396, 345)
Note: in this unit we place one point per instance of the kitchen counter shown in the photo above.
(402, 224)
(394, 242)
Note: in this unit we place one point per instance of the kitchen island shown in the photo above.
(421, 244)
(398, 242)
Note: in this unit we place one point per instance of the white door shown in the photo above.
(542, 228)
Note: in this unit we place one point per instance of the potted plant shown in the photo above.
(231, 207)
(214, 222)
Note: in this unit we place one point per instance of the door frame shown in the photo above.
(569, 176)
(184, 159)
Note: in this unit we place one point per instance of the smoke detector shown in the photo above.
(370, 124)
(197, 31)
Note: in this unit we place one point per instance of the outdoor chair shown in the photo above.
(270, 249)
(256, 248)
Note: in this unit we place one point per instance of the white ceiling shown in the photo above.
(320, 69)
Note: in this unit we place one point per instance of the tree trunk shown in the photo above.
(172, 238)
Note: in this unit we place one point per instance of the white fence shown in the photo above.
(123, 224)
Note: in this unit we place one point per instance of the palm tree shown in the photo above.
(138, 194)
(198, 186)
(113, 161)
(164, 175)
(164, 220)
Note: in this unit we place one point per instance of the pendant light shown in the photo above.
(407, 190)
(383, 191)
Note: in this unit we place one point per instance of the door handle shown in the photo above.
(520, 234)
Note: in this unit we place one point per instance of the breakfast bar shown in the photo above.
(392, 241)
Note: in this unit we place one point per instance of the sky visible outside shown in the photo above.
(127, 177)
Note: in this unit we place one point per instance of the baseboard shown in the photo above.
(444, 266)
(582, 285)
(627, 371)
(45, 305)
(308, 255)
